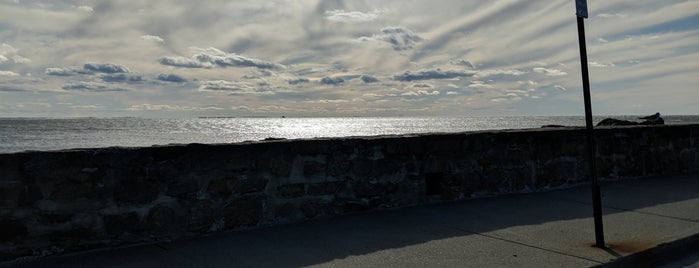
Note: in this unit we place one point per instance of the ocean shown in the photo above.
(21, 134)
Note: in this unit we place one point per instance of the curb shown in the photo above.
(658, 255)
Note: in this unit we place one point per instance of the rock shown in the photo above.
(202, 216)
(246, 211)
(73, 190)
(29, 195)
(11, 229)
(120, 223)
(135, 191)
(166, 220)
(656, 121)
(615, 122)
(292, 190)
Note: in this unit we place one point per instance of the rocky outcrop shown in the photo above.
(654, 119)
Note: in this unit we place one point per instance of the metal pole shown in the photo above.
(596, 196)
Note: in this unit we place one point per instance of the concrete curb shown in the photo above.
(658, 255)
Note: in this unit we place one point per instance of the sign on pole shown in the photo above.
(581, 7)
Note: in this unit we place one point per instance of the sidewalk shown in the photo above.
(552, 229)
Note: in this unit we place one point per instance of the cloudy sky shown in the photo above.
(178, 58)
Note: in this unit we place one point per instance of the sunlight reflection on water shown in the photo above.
(53, 134)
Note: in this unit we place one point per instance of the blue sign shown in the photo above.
(581, 8)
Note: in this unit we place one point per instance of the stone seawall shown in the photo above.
(65, 201)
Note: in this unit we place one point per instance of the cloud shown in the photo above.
(168, 107)
(549, 72)
(559, 87)
(327, 101)
(421, 93)
(9, 52)
(171, 78)
(479, 85)
(422, 85)
(153, 38)
(259, 73)
(486, 73)
(105, 68)
(431, 74)
(58, 71)
(92, 87)
(85, 8)
(368, 79)
(233, 87)
(332, 80)
(601, 65)
(183, 62)
(299, 80)
(8, 73)
(213, 57)
(351, 16)
(399, 37)
(11, 89)
(121, 78)
(462, 62)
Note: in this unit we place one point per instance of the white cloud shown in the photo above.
(351, 16)
(549, 72)
(85, 8)
(421, 93)
(8, 73)
(422, 85)
(153, 38)
(601, 65)
(9, 52)
(211, 57)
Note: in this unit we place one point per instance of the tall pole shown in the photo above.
(581, 6)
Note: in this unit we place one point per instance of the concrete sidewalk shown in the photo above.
(552, 229)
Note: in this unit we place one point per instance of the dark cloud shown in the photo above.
(298, 81)
(258, 73)
(212, 57)
(65, 71)
(368, 79)
(431, 74)
(105, 68)
(399, 37)
(11, 89)
(92, 87)
(171, 78)
(332, 80)
(121, 78)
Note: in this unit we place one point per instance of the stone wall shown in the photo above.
(64, 201)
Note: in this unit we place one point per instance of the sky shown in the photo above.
(177, 58)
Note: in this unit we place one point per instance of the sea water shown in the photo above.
(20, 134)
